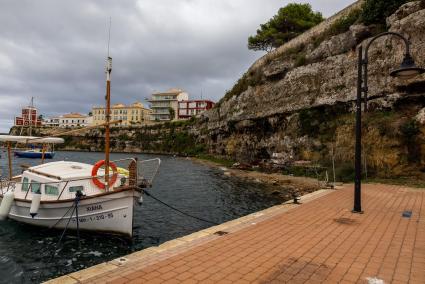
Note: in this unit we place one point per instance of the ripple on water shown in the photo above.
(11, 272)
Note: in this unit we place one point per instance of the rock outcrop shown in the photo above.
(301, 111)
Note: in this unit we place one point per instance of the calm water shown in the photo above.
(26, 251)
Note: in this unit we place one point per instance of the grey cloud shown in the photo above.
(55, 50)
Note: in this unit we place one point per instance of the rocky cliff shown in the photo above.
(297, 103)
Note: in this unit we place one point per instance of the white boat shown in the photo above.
(57, 186)
(76, 195)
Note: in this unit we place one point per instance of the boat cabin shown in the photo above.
(61, 180)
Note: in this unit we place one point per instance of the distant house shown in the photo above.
(163, 102)
(51, 121)
(74, 120)
(29, 116)
(134, 114)
(190, 108)
(69, 120)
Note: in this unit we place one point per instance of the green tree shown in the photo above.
(376, 11)
(289, 22)
(172, 113)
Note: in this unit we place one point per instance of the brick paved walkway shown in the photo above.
(320, 241)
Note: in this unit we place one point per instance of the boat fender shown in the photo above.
(96, 168)
(35, 204)
(140, 200)
(6, 204)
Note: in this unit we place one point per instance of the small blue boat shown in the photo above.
(34, 154)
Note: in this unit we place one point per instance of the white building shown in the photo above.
(51, 121)
(162, 102)
(70, 120)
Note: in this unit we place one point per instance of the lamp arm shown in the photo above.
(406, 42)
(365, 60)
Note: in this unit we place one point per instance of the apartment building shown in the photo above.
(164, 105)
(134, 114)
(190, 108)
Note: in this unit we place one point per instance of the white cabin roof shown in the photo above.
(65, 170)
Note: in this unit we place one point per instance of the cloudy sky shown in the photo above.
(55, 51)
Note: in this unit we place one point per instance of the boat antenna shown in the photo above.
(108, 109)
(109, 33)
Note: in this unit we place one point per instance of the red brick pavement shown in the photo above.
(317, 242)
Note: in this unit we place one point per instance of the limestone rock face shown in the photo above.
(340, 43)
(420, 117)
(404, 11)
(267, 117)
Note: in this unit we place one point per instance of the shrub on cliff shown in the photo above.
(376, 11)
(289, 22)
(343, 24)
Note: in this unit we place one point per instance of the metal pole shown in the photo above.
(358, 150)
(9, 156)
(43, 151)
(333, 164)
(364, 88)
(77, 199)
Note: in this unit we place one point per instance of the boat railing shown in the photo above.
(6, 185)
(147, 170)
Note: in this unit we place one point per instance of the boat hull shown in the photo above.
(34, 155)
(111, 213)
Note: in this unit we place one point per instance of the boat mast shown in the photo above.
(108, 118)
(30, 115)
(108, 110)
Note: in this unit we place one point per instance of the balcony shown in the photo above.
(158, 99)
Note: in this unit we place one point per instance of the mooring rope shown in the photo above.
(178, 210)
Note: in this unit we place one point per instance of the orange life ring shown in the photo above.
(96, 168)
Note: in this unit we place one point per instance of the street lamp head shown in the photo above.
(407, 69)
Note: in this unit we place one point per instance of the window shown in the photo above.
(76, 188)
(51, 190)
(35, 186)
(25, 184)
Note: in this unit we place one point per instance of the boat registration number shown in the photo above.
(94, 218)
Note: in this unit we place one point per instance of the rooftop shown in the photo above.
(171, 91)
(121, 105)
(74, 115)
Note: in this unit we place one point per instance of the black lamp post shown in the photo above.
(406, 70)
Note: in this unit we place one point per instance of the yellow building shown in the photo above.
(131, 115)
